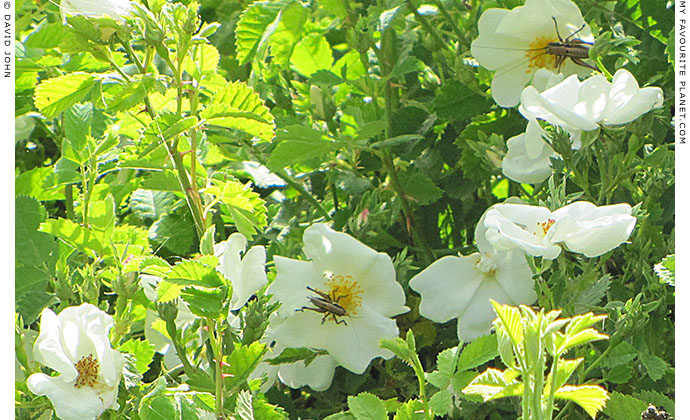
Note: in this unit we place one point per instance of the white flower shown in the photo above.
(358, 285)
(116, 9)
(246, 274)
(460, 287)
(513, 43)
(75, 344)
(529, 157)
(581, 226)
(582, 106)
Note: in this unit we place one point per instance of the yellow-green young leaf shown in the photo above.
(52, 96)
(239, 107)
(205, 60)
(511, 321)
(411, 410)
(366, 406)
(445, 365)
(242, 362)
(247, 209)
(194, 273)
(583, 337)
(249, 33)
(493, 384)
(75, 235)
(591, 398)
(398, 346)
(167, 291)
(311, 54)
(142, 350)
(580, 322)
(565, 369)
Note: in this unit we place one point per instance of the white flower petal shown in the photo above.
(508, 83)
(475, 321)
(447, 286)
(116, 9)
(512, 226)
(317, 376)
(48, 348)
(290, 284)
(246, 274)
(70, 402)
(529, 157)
(515, 278)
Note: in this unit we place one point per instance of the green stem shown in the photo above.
(181, 351)
(449, 18)
(217, 347)
(422, 21)
(552, 388)
(191, 195)
(69, 202)
(419, 372)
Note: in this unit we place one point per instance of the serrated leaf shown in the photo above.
(150, 205)
(239, 107)
(245, 409)
(73, 234)
(53, 96)
(624, 407)
(36, 183)
(478, 352)
(619, 375)
(493, 384)
(445, 368)
(366, 406)
(247, 209)
(656, 398)
(593, 294)
(565, 369)
(207, 241)
(510, 321)
(411, 410)
(202, 59)
(251, 26)
(621, 354)
(441, 402)
(77, 123)
(206, 303)
(175, 232)
(299, 144)
(242, 362)
(142, 350)
(194, 273)
(666, 270)
(397, 346)
(591, 398)
(30, 295)
(311, 54)
(419, 186)
(265, 411)
(655, 366)
(31, 247)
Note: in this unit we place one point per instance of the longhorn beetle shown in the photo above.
(575, 49)
(327, 305)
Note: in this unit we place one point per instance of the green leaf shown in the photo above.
(565, 370)
(655, 366)
(245, 409)
(287, 33)
(624, 407)
(311, 54)
(77, 123)
(150, 205)
(175, 232)
(292, 355)
(53, 96)
(102, 215)
(247, 209)
(203, 59)
(30, 295)
(265, 411)
(419, 186)
(619, 355)
(31, 247)
(194, 273)
(242, 362)
(656, 398)
(73, 234)
(324, 78)
(411, 410)
(206, 303)
(207, 241)
(397, 346)
(619, 375)
(445, 365)
(510, 321)
(251, 26)
(299, 144)
(239, 107)
(441, 402)
(142, 350)
(591, 398)
(36, 183)
(478, 352)
(493, 384)
(666, 270)
(366, 406)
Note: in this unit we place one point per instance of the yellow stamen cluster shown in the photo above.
(346, 291)
(545, 226)
(87, 368)
(538, 58)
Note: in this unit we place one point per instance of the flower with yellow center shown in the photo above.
(513, 43)
(341, 301)
(75, 344)
(581, 226)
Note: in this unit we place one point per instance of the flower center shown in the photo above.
(87, 369)
(345, 291)
(543, 228)
(537, 55)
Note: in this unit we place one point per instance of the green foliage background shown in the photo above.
(383, 125)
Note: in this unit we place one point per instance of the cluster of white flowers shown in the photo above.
(460, 287)
(523, 36)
